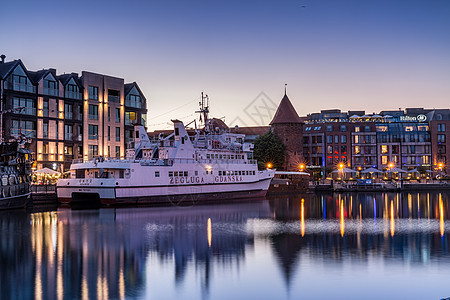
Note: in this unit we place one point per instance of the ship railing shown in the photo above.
(169, 162)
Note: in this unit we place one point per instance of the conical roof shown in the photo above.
(285, 113)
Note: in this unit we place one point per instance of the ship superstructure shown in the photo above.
(210, 165)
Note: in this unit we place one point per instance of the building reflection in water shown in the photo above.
(105, 253)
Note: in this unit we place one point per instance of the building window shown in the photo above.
(133, 101)
(343, 128)
(117, 134)
(68, 132)
(130, 118)
(68, 150)
(68, 111)
(113, 96)
(93, 132)
(117, 115)
(109, 133)
(384, 149)
(329, 128)
(80, 112)
(45, 108)
(384, 160)
(27, 128)
(45, 130)
(329, 139)
(441, 128)
(117, 151)
(20, 81)
(441, 138)
(28, 106)
(329, 149)
(50, 86)
(109, 113)
(343, 149)
(357, 150)
(336, 139)
(343, 139)
(92, 151)
(93, 112)
(367, 128)
(356, 128)
(93, 92)
(72, 90)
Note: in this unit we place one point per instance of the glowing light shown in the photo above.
(341, 166)
(301, 167)
(302, 217)
(209, 232)
(341, 217)
(269, 165)
(391, 165)
(441, 215)
(392, 219)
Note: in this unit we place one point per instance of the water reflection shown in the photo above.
(197, 252)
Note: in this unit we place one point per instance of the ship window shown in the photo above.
(121, 174)
(232, 156)
(207, 156)
(170, 174)
(156, 173)
(196, 173)
(186, 173)
(80, 174)
(176, 173)
(220, 156)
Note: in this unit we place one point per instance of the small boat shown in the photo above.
(15, 175)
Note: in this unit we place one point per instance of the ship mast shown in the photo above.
(204, 110)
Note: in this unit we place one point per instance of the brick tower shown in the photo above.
(287, 125)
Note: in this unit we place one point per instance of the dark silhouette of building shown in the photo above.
(288, 126)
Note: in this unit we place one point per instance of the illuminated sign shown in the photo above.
(418, 118)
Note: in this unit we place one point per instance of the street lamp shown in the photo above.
(269, 165)
(301, 167)
(391, 166)
(440, 167)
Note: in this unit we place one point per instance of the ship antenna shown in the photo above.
(204, 109)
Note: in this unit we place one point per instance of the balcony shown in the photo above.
(73, 95)
(30, 133)
(115, 99)
(51, 92)
(25, 110)
(23, 87)
(93, 117)
(93, 136)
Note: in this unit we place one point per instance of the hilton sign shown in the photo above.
(418, 118)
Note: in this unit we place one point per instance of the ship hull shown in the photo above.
(19, 201)
(182, 194)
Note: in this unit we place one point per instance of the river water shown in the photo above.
(310, 246)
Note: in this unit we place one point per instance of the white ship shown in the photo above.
(208, 166)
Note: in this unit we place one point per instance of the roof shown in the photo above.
(285, 113)
(7, 67)
(253, 130)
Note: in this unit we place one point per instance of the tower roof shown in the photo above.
(285, 113)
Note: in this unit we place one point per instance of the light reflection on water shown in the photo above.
(303, 246)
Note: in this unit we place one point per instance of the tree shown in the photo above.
(269, 149)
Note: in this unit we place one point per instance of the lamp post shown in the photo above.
(391, 166)
(341, 169)
(440, 167)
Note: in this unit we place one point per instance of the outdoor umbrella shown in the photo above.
(46, 171)
(344, 170)
(397, 170)
(371, 170)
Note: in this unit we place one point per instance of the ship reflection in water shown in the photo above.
(346, 246)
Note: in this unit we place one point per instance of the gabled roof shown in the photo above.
(65, 78)
(36, 76)
(129, 86)
(7, 67)
(285, 113)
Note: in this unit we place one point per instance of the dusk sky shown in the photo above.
(352, 55)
